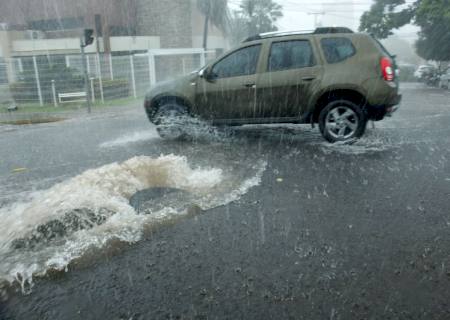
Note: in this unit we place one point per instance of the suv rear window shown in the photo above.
(337, 49)
(290, 55)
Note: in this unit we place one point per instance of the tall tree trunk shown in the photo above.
(205, 31)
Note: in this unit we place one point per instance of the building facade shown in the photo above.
(177, 23)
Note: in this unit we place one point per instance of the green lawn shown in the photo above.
(47, 108)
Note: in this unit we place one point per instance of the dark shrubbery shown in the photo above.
(67, 80)
(112, 89)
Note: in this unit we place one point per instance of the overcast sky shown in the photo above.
(302, 14)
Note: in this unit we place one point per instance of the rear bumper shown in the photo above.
(378, 112)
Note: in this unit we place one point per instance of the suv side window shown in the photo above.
(240, 63)
(337, 49)
(294, 54)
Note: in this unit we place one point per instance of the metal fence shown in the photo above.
(56, 79)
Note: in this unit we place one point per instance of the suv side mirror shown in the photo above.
(207, 74)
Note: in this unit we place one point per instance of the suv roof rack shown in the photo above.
(321, 30)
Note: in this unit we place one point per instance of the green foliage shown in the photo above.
(382, 18)
(432, 16)
(112, 89)
(254, 16)
(66, 80)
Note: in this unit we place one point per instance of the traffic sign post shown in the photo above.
(85, 40)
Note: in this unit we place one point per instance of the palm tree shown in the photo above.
(254, 16)
(262, 15)
(215, 12)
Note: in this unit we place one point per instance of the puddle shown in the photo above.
(60, 224)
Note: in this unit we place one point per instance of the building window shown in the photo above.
(57, 24)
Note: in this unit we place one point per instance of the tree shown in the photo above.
(216, 13)
(432, 16)
(255, 16)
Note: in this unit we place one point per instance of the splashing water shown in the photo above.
(62, 223)
(137, 136)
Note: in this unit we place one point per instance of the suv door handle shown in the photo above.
(310, 78)
(250, 85)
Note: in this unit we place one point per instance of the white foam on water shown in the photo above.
(367, 144)
(134, 137)
(110, 187)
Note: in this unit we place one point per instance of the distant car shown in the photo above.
(331, 76)
(444, 81)
(423, 71)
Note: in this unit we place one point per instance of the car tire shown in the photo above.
(170, 120)
(342, 121)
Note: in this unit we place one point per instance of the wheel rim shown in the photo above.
(341, 123)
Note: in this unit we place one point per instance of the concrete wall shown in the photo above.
(53, 46)
(177, 23)
(72, 45)
(134, 43)
(214, 42)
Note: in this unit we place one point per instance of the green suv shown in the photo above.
(331, 76)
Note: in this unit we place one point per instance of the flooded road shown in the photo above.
(285, 225)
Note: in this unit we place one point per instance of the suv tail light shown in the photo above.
(387, 69)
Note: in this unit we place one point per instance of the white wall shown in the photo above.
(72, 45)
(43, 46)
(134, 43)
(214, 42)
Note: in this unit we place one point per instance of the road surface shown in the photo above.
(323, 232)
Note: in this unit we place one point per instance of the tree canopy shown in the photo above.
(432, 16)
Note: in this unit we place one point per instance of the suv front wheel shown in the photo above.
(170, 120)
(342, 121)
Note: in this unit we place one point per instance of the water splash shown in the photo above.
(88, 211)
(134, 137)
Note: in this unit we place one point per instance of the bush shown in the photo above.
(112, 89)
(66, 80)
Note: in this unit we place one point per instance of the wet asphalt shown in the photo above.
(332, 232)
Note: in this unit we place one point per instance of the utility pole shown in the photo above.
(316, 16)
(85, 40)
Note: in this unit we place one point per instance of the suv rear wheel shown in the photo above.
(170, 120)
(342, 121)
